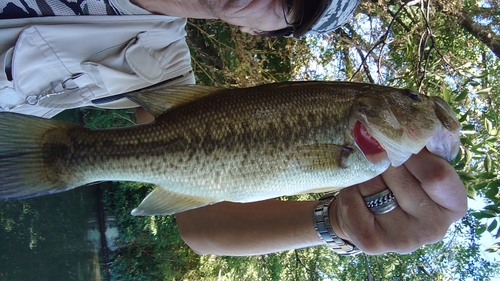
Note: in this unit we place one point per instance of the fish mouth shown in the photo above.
(380, 147)
(397, 142)
(370, 147)
(376, 146)
(444, 143)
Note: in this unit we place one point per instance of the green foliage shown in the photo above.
(96, 118)
(223, 56)
(154, 251)
(153, 248)
(42, 238)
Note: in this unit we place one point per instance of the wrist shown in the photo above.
(335, 219)
(322, 219)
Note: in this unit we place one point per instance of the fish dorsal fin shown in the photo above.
(163, 202)
(158, 99)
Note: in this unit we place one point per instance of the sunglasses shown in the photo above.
(293, 11)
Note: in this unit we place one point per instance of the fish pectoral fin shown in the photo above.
(157, 99)
(324, 156)
(164, 202)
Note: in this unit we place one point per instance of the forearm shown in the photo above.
(142, 116)
(236, 229)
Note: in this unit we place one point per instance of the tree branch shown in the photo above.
(481, 33)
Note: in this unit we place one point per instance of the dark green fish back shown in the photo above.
(274, 112)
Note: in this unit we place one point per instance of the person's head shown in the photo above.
(262, 17)
(283, 17)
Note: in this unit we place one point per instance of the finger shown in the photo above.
(440, 181)
(393, 179)
(394, 229)
(354, 214)
(374, 234)
(425, 222)
(356, 195)
(408, 191)
(372, 186)
(416, 221)
(351, 214)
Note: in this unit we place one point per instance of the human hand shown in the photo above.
(430, 196)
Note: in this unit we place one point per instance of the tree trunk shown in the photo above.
(482, 33)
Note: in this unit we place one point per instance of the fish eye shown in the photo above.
(411, 94)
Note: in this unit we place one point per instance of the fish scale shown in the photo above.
(237, 145)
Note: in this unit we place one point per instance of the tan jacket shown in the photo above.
(49, 64)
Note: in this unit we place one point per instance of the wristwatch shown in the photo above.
(325, 231)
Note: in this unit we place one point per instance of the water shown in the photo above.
(52, 238)
(56, 237)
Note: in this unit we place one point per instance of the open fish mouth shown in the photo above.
(370, 147)
(368, 144)
(377, 148)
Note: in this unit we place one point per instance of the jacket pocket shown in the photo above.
(37, 69)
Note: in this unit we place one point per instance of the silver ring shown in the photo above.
(381, 203)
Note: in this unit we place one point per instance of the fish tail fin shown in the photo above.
(23, 169)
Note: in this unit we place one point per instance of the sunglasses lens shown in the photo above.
(293, 11)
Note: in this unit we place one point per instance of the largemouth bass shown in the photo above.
(237, 145)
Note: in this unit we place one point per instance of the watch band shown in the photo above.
(325, 231)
